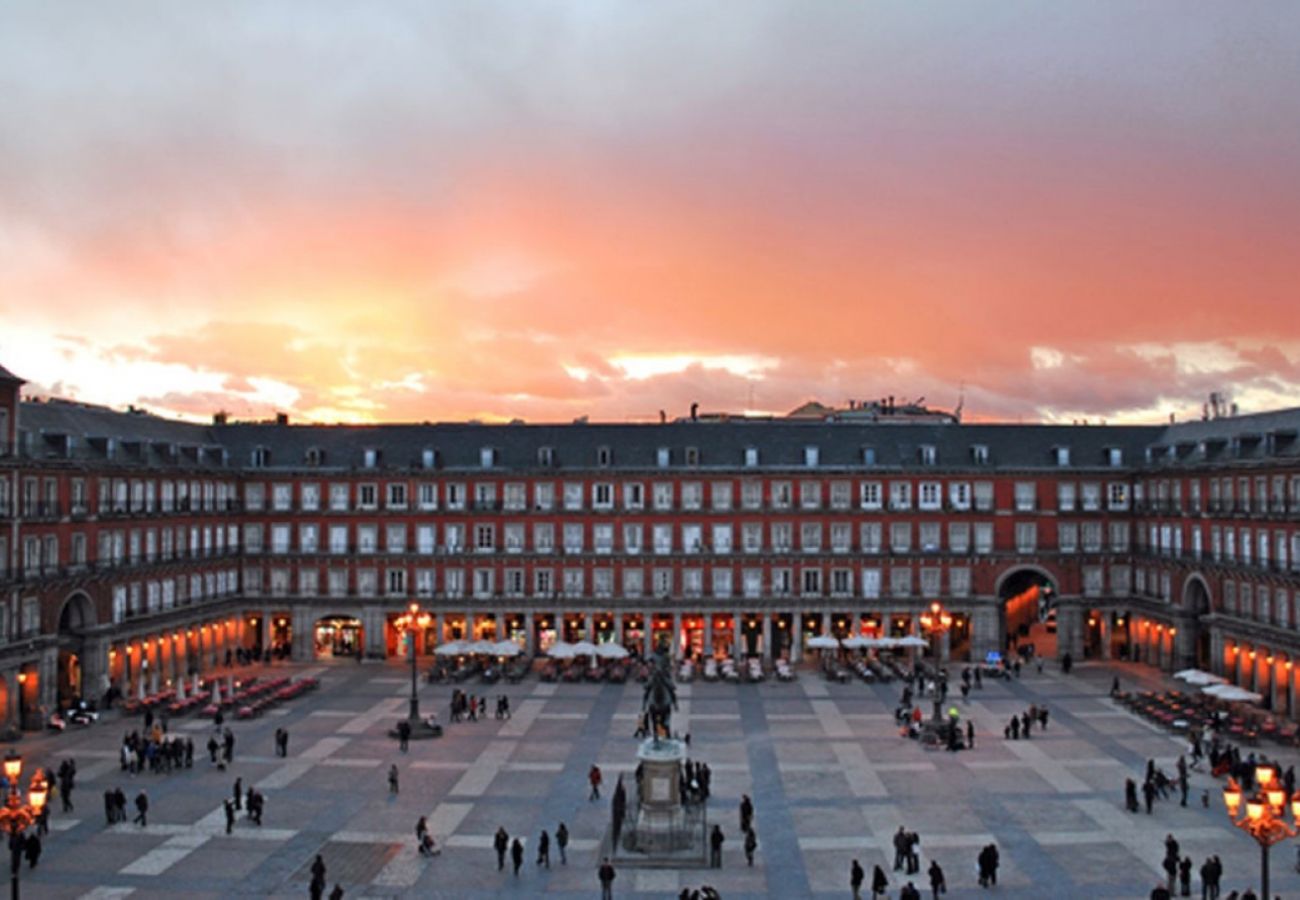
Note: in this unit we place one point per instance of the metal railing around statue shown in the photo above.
(645, 834)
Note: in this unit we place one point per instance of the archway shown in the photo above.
(75, 619)
(337, 635)
(1197, 603)
(1026, 596)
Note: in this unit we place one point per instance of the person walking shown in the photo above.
(938, 884)
(562, 842)
(517, 854)
(716, 840)
(544, 849)
(501, 843)
(746, 812)
(1185, 876)
(594, 777)
(317, 877)
(32, 850)
(142, 809)
(238, 793)
(392, 779)
(606, 874)
(856, 877)
(229, 809)
(879, 883)
(751, 844)
(337, 893)
(970, 735)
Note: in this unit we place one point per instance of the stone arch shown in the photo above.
(1001, 585)
(77, 614)
(1197, 597)
(1020, 599)
(76, 617)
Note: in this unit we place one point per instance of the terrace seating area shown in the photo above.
(1179, 711)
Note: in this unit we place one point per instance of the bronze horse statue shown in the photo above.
(660, 697)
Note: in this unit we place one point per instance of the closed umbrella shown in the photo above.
(180, 688)
(1199, 677)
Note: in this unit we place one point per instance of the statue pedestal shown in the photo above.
(662, 827)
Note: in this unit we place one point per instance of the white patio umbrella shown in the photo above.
(216, 693)
(180, 689)
(855, 642)
(506, 648)
(585, 648)
(611, 651)
(1199, 677)
(1232, 694)
(882, 643)
(197, 687)
(452, 648)
(911, 640)
(487, 647)
(140, 691)
(562, 650)
(822, 642)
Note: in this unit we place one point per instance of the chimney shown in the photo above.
(220, 418)
(282, 418)
(663, 417)
(695, 412)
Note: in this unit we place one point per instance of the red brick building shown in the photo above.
(135, 549)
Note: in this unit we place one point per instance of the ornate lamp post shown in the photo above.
(936, 620)
(409, 623)
(1265, 815)
(16, 816)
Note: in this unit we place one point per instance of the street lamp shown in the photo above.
(936, 620)
(16, 816)
(409, 623)
(1265, 818)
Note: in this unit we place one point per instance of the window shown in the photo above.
(426, 538)
(1091, 532)
(338, 539)
(841, 537)
(602, 582)
(751, 537)
(662, 535)
(369, 458)
(254, 496)
(602, 495)
(1026, 537)
(959, 581)
(811, 582)
(515, 496)
(602, 537)
(928, 536)
(930, 495)
(1026, 496)
(959, 537)
(367, 496)
(692, 495)
(573, 537)
(428, 458)
(782, 582)
(959, 495)
(810, 537)
(870, 494)
(692, 538)
(544, 496)
(485, 495)
(1062, 456)
(663, 495)
(782, 495)
(721, 578)
(900, 495)
(751, 494)
(663, 582)
(1117, 495)
(1067, 537)
(633, 495)
(811, 455)
(485, 538)
(514, 537)
(543, 537)
(871, 583)
(928, 454)
(633, 582)
(280, 538)
(573, 495)
(979, 454)
(454, 537)
(663, 457)
(604, 456)
(1065, 494)
(900, 581)
(487, 457)
(484, 582)
(782, 536)
(900, 537)
(396, 581)
(983, 495)
(546, 457)
(632, 533)
(983, 538)
(720, 492)
(1115, 457)
(871, 537)
(367, 538)
(396, 495)
(692, 456)
(752, 583)
(931, 581)
(543, 582)
(721, 538)
(427, 493)
(455, 494)
(751, 457)
(868, 456)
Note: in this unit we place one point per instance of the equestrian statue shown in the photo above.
(660, 697)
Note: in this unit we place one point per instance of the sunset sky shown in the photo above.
(427, 211)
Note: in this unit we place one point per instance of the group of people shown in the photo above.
(467, 706)
(1156, 784)
(1021, 725)
(156, 751)
(317, 886)
(221, 746)
(909, 891)
(503, 844)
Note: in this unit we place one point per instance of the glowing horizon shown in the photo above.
(608, 209)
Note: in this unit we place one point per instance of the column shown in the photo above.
(530, 631)
(94, 668)
(647, 634)
(48, 695)
(675, 650)
(301, 633)
(769, 637)
(618, 627)
(708, 634)
(1103, 629)
(985, 633)
(589, 627)
(738, 635)
(945, 645)
(1069, 631)
(13, 707)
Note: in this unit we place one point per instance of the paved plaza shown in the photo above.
(829, 776)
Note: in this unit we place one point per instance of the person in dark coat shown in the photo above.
(516, 854)
(938, 885)
(544, 849)
(879, 883)
(751, 844)
(716, 839)
(501, 843)
(606, 875)
(32, 850)
(856, 877)
(562, 842)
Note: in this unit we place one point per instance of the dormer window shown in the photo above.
(811, 455)
(261, 457)
(980, 454)
(369, 458)
(315, 456)
(1062, 455)
(868, 456)
(1115, 456)
(692, 456)
(546, 457)
(604, 456)
(928, 454)
(429, 458)
(487, 457)
(751, 457)
(663, 457)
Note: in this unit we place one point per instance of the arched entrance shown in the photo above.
(75, 619)
(337, 636)
(1026, 596)
(1196, 602)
